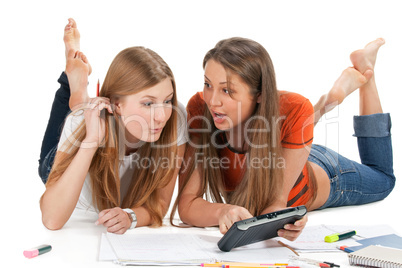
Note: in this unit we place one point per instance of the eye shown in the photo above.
(207, 85)
(148, 104)
(227, 91)
(168, 102)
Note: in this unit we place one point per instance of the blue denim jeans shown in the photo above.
(353, 183)
(60, 110)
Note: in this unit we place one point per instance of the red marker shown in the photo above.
(31, 253)
(97, 89)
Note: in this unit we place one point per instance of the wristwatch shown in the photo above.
(132, 216)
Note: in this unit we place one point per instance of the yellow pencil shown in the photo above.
(211, 265)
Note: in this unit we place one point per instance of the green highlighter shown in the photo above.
(339, 236)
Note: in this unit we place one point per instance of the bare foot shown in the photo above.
(77, 70)
(71, 36)
(349, 81)
(364, 59)
(72, 39)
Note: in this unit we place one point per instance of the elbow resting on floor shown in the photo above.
(52, 224)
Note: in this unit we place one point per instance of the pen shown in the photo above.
(251, 264)
(339, 236)
(31, 253)
(260, 266)
(331, 264)
(317, 263)
(97, 89)
(344, 248)
(244, 264)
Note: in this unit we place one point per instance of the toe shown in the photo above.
(72, 23)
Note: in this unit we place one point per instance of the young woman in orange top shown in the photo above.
(250, 150)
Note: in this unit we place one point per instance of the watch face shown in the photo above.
(133, 220)
(132, 216)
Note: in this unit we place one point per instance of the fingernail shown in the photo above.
(97, 223)
(280, 233)
(286, 226)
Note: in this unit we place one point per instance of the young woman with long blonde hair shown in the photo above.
(118, 154)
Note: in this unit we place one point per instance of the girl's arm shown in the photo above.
(295, 159)
(197, 211)
(117, 220)
(60, 198)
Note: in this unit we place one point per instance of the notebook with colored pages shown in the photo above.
(376, 256)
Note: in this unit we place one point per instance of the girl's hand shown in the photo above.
(292, 231)
(230, 214)
(115, 219)
(95, 123)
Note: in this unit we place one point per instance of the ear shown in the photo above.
(117, 107)
(259, 98)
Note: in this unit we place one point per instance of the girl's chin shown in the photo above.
(149, 137)
(153, 137)
(222, 127)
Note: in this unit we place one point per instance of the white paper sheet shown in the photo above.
(182, 249)
(106, 252)
(312, 237)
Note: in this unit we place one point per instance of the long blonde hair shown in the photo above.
(133, 70)
(259, 188)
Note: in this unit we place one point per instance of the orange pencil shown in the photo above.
(97, 89)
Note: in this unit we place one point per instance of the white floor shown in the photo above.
(308, 41)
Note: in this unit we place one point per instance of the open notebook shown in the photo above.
(183, 249)
(376, 256)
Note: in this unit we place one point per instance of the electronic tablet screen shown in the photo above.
(259, 228)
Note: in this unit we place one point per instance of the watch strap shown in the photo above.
(132, 216)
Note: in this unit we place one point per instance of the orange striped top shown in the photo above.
(296, 132)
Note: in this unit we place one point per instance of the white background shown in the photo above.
(309, 42)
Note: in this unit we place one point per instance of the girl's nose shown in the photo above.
(159, 114)
(215, 99)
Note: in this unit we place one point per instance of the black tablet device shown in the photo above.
(259, 228)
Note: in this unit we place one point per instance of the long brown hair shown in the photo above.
(133, 69)
(260, 187)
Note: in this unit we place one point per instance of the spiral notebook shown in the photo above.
(376, 256)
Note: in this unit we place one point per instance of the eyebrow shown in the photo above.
(154, 98)
(221, 83)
